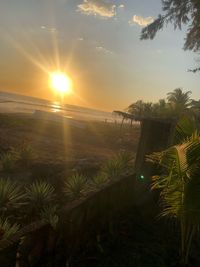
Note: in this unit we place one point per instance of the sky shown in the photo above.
(97, 43)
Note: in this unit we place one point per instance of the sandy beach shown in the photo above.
(66, 140)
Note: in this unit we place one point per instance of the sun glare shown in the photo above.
(61, 83)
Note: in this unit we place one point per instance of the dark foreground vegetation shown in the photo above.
(45, 180)
(57, 212)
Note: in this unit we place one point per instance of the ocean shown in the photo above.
(15, 103)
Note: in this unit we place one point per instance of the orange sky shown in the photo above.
(97, 44)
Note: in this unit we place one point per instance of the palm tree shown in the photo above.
(179, 100)
(179, 187)
(124, 116)
(136, 108)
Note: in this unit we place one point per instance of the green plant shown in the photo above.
(126, 159)
(26, 154)
(39, 194)
(11, 195)
(8, 161)
(49, 215)
(100, 180)
(113, 169)
(117, 166)
(7, 229)
(75, 185)
(179, 186)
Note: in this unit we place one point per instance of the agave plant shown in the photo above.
(49, 215)
(8, 161)
(179, 187)
(75, 185)
(7, 229)
(100, 180)
(39, 195)
(11, 195)
(117, 166)
(26, 154)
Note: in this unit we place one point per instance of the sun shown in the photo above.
(61, 83)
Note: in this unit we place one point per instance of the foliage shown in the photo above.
(100, 180)
(179, 13)
(8, 161)
(179, 187)
(11, 195)
(26, 154)
(75, 185)
(39, 194)
(49, 215)
(117, 166)
(179, 100)
(7, 229)
(176, 105)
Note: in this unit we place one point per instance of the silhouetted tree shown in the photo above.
(179, 13)
(180, 101)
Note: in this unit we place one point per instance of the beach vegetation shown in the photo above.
(179, 186)
(38, 196)
(99, 180)
(26, 154)
(11, 195)
(7, 229)
(75, 185)
(8, 161)
(117, 166)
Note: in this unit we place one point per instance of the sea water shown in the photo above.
(15, 103)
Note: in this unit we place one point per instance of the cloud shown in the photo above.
(102, 49)
(141, 21)
(48, 29)
(97, 7)
(121, 6)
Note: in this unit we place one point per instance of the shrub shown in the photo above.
(100, 180)
(26, 155)
(118, 166)
(39, 194)
(7, 229)
(75, 185)
(49, 215)
(8, 161)
(11, 195)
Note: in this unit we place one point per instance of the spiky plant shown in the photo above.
(179, 187)
(75, 185)
(26, 154)
(11, 195)
(7, 229)
(126, 160)
(39, 195)
(49, 215)
(99, 180)
(8, 161)
(113, 169)
(118, 166)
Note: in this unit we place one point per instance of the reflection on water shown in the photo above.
(13, 103)
(55, 107)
